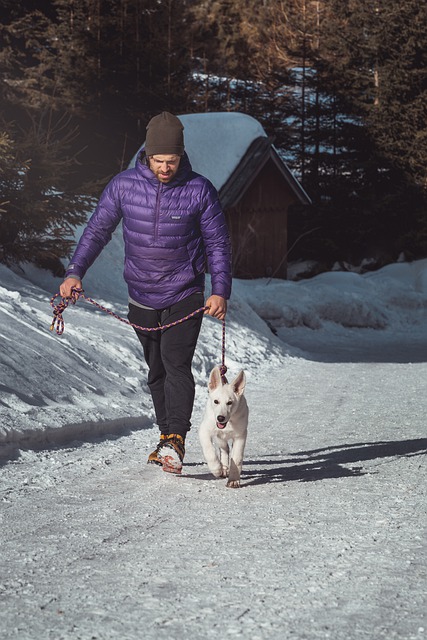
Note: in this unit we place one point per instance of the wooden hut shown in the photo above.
(256, 198)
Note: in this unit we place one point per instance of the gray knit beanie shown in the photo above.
(164, 135)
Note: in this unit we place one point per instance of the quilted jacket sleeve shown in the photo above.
(217, 242)
(98, 231)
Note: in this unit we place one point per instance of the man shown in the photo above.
(172, 224)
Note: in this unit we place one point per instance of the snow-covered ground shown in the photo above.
(325, 539)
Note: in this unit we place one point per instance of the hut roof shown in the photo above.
(260, 151)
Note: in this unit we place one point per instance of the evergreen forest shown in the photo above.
(339, 85)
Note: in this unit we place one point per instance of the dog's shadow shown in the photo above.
(339, 461)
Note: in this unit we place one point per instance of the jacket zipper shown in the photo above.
(157, 213)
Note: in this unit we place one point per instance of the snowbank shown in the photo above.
(92, 377)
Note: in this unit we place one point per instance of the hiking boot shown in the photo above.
(171, 453)
(153, 458)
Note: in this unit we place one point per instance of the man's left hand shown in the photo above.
(217, 307)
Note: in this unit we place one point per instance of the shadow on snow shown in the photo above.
(320, 464)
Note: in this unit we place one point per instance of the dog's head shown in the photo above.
(224, 396)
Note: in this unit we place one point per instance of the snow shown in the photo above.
(326, 538)
(216, 142)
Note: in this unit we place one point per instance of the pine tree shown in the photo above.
(220, 55)
(370, 77)
(398, 115)
(39, 203)
(37, 211)
(236, 63)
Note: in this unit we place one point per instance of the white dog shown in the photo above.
(225, 420)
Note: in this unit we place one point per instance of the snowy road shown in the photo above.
(325, 539)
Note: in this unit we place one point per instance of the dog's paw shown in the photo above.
(233, 484)
(216, 471)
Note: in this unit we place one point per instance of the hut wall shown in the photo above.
(258, 226)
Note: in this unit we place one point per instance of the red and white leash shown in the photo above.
(58, 323)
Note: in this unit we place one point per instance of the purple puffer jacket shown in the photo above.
(168, 229)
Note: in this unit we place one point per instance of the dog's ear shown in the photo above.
(215, 379)
(239, 383)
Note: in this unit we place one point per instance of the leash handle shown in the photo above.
(58, 309)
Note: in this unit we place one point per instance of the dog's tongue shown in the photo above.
(220, 425)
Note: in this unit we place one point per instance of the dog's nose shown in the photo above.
(221, 419)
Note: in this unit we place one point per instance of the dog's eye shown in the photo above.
(229, 402)
(216, 401)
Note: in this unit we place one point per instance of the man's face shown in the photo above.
(164, 167)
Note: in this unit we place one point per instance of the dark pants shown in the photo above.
(169, 354)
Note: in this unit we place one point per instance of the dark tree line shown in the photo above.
(339, 84)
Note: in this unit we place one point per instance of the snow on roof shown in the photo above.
(216, 142)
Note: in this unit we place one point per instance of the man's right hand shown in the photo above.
(67, 285)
